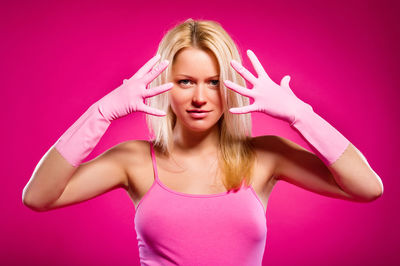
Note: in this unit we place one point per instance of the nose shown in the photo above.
(199, 97)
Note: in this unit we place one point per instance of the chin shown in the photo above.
(199, 125)
(202, 128)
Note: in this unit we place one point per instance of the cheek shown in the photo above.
(172, 103)
(177, 99)
(217, 99)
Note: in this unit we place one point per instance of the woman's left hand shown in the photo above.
(269, 97)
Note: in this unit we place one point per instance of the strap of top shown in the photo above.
(153, 159)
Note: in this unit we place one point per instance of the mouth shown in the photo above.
(197, 111)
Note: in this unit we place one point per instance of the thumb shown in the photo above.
(285, 84)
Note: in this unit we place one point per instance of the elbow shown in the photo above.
(33, 207)
(376, 192)
(31, 204)
(374, 195)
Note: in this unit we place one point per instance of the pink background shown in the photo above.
(59, 57)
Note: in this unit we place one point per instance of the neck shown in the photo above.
(201, 143)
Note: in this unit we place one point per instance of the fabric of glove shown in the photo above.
(280, 102)
(81, 138)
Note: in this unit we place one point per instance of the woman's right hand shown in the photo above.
(129, 97)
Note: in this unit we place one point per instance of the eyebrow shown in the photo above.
(193, 77)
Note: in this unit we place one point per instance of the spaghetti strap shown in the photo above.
(153, 159)
(163, 212)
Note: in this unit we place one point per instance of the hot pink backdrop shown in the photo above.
(59, 57)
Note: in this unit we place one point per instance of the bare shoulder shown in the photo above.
(132, 148)
(272, 149)
(274, 145)
(277, 149)
(131, 153)
(266, 148)
(137, 164)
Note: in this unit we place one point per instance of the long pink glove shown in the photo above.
(81, 138)
(281, 102)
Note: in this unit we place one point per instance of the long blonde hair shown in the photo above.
(237, 153)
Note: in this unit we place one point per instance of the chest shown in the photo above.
(200, 178)
(234, 224)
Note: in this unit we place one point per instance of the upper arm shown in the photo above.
(296, 165)
(104, 173)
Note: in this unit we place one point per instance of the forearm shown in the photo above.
(57, 166)
(347, 165)
(48, 181)
(355, 176)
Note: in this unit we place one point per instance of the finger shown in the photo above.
(150, 76)
(285, 84)
(147, 67)
(244, 109)
(243, 72)
(149, 110)
(239, 89)
(157, 90)
(256, 64)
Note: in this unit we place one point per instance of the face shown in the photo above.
(195, 98)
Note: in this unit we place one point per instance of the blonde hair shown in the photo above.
(237, 153)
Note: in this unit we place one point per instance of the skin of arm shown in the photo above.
(355, 176)
(55, 183)
(337, 169)
(60, 178)
(349, 178)
(48, 181)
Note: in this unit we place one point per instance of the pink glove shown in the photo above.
(280, 102)
(269, 97)
(81, 138)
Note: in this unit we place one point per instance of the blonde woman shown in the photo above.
(201, 184)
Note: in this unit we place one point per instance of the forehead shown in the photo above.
(196, 63)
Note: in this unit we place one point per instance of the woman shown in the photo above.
(201, 184)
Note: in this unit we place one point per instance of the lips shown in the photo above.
(198, 113)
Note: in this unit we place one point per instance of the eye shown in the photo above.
(184, 81)
(215, 82)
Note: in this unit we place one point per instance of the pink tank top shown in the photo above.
(175, 228)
